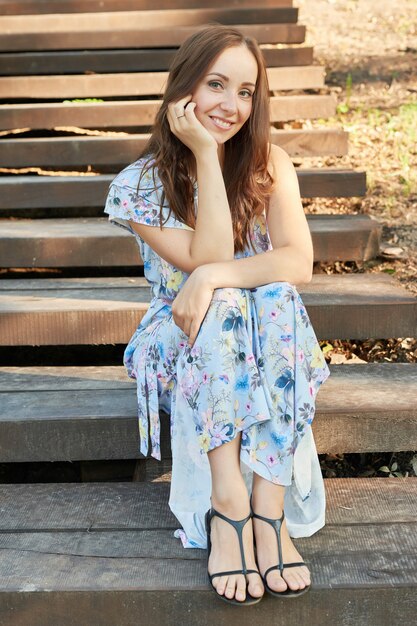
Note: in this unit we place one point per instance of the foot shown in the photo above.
(225, 553)
(295, 578)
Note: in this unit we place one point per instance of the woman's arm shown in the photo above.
(292, 256)
(213, 236)
(282, 264)
(212, 239)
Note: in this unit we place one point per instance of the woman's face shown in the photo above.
(224, 95)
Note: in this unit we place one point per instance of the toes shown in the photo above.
(255, 586)
(297, 579)
(220, 584)
(292, 581)
(300, 580)
(230, 587)
(305, 575)
(276, 582)
(241, 589)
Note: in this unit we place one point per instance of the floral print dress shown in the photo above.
(255, 367)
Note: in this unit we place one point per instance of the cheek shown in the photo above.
(247, 110)
(205, 101)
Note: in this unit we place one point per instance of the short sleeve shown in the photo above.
(125, 202)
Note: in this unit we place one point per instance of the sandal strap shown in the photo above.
(234, 571)
(276, 525)
(281, 568)
(238, 526)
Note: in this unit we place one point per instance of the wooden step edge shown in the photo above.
(94, 242)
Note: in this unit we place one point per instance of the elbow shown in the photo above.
(308, 273)
(305, 274)
(308, 277)
(206, 259)
(308, 262)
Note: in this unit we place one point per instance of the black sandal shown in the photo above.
(238, 525)
(288, 593)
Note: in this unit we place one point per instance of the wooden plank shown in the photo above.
(344, 605)
(35, 7)
(148, 38)
(108, 61)
(107, 575)
(119, 20)
(107, 310)
(127, 506)
(120, 151)
(73, 413)
(136, 83)
(53, 192)
(141, 112)
(94, 242)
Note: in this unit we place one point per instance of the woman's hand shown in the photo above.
(190, 306)
(185, 125)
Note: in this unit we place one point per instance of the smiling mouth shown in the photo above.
(220, 123)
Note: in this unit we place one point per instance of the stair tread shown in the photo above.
(94, 242)
(103, 310)
(369, 539)
(95, 227)
(393, 390)
(68, 413)
(120, 292)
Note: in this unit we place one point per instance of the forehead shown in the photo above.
(237, 63)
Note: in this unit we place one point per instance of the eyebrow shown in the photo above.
(226, 79)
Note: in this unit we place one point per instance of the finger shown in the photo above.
(188, 331)
(193, 333)
(190, 109)
(179, 107)
(170, 120)
(179, 323)
(182, 102)
(173, 123)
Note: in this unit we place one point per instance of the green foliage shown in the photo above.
(82, 100)
(344, 107)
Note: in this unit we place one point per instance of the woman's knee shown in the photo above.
(227, 292)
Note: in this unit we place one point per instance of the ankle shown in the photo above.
(267, 498)
(233, 503)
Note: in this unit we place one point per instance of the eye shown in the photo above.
(250, 94)
(214, 82)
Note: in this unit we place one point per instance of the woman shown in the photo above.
(226, 346)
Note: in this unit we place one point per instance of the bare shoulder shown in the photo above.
(279, 161)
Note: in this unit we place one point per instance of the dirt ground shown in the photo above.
(369, 51)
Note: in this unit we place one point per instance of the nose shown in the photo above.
(229, 102)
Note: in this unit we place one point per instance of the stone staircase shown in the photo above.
(102, 552)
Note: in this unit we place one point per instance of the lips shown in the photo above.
(215, 119)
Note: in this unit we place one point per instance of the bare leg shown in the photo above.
(268, 500)
(230, 497)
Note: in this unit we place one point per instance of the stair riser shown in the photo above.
(325, 607)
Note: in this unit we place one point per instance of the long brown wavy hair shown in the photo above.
(247, 181)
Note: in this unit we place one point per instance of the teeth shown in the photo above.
(221, 123)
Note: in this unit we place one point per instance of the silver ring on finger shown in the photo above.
(178, 116)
